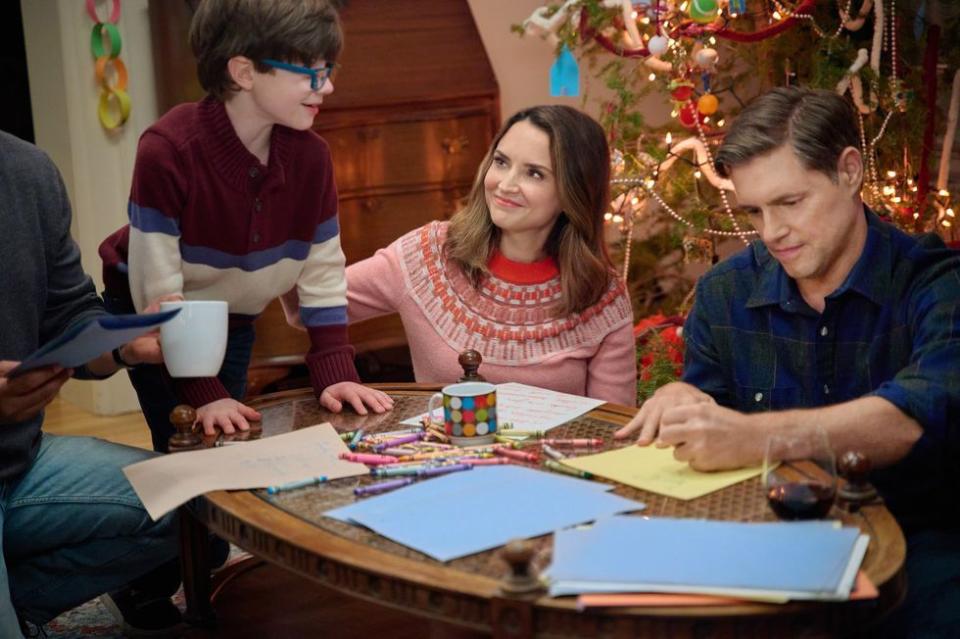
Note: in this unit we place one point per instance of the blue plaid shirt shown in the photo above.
(891, 330)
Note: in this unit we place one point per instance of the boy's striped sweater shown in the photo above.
(209, 221)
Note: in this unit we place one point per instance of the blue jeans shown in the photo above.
(155, 389)
(73, 528)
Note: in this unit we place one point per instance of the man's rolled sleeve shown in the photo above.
(928, 389)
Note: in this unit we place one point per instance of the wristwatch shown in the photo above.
(118, 358)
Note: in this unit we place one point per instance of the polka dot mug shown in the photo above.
(469, 412)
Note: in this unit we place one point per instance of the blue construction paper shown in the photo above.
(672, 553)
(467, 512)
(89, 339)
(564, 75)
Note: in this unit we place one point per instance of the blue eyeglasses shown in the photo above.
(318, 77)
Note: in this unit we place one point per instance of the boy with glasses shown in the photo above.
(233, 198)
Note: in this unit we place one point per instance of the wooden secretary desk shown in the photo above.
(414, 109)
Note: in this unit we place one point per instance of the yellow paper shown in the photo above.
(655, 469)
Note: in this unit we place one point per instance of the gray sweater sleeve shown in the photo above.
(71, 296)
(43, 288)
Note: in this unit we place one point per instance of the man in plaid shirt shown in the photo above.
(837, 320)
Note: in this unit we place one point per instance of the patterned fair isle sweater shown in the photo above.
(209, 221)
(506, 319)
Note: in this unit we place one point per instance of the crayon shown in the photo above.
(368, 458)
(506, 441)
(552, 452)
(398, 433)
(573, 443)
(516, 454)
(355, 440)
(302, 483)
(381, 487)
(395, 471)
(441, 454)
(398, 452)
(560, 468)
(525, 433)
(443, 470)
(397, 441)
(485, 461)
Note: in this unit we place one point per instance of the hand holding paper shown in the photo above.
(146, 348)
(86, 340)
(24, 396)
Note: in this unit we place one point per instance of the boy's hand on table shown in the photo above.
(227, 414)
(357, 395)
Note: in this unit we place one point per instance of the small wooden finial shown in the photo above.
(855, 467)
(183, 418)
(470, 361)
(522, 577)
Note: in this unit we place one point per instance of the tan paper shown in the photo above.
(164, 483)
(655, 469)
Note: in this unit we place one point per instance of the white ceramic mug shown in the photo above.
(195, 340)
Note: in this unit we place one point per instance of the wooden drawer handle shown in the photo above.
(454, 146)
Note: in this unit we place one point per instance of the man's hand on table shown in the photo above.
(707, 436)
(227, 414)
(24, 396)
(648, 419)
(357, 395)
(711, 437)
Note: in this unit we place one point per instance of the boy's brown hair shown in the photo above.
(295, 31)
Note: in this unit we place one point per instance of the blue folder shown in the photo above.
(687, 555)
(88, 339)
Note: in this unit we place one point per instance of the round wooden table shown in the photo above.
(289, 530)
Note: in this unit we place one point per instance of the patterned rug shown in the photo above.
(92, 619)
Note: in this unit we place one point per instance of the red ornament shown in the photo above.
(688, 115)
(682, 92)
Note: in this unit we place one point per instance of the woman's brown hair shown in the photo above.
(581, 163)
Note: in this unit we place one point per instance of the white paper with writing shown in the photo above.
(531, 408)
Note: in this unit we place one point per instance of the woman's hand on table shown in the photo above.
(648, 418)
(357, 395)
(227, 414)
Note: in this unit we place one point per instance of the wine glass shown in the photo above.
(800, 474)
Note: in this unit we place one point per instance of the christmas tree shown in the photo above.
(710, 57)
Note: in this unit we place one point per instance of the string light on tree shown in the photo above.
(857, 48)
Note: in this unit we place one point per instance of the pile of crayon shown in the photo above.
(404, 456)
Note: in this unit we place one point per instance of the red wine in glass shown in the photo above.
(801, 500)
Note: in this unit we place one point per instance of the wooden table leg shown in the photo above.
(195, 568)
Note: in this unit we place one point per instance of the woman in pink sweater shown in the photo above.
(520, 274)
